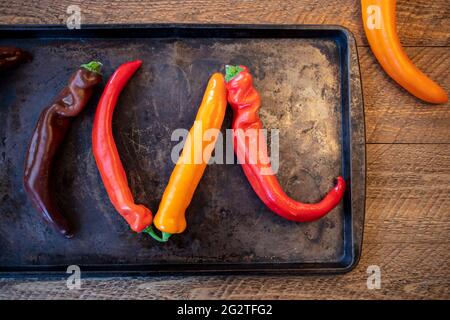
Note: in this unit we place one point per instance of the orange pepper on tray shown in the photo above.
(380, 27)
(192, 162)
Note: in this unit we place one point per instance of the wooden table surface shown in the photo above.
(407, 224)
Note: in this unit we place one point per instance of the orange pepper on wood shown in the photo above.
(380, 27)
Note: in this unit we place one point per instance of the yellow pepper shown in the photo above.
(196, 153)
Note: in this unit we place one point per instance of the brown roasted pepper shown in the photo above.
(52, 127)
(11, 57)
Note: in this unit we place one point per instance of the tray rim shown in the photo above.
(255, 268)
(59, 27)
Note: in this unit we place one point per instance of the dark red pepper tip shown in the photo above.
(68, 235)
(65, 229)
(26, 56)
(231, 72)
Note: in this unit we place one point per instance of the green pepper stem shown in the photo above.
(93, 66)
(231, 72)
(165, 236)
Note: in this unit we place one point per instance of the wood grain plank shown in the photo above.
(408, 194)
(420, 22)
(414, 271)
(392, 114)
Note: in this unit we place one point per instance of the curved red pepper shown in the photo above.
(107, 157)
(245, 102)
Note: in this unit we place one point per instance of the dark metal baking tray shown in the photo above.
(309, 81)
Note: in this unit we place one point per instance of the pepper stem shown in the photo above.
(164, 238)
(231, 72)
(93, 66)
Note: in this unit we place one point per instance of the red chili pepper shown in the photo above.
(107, 157)
(245, 102)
